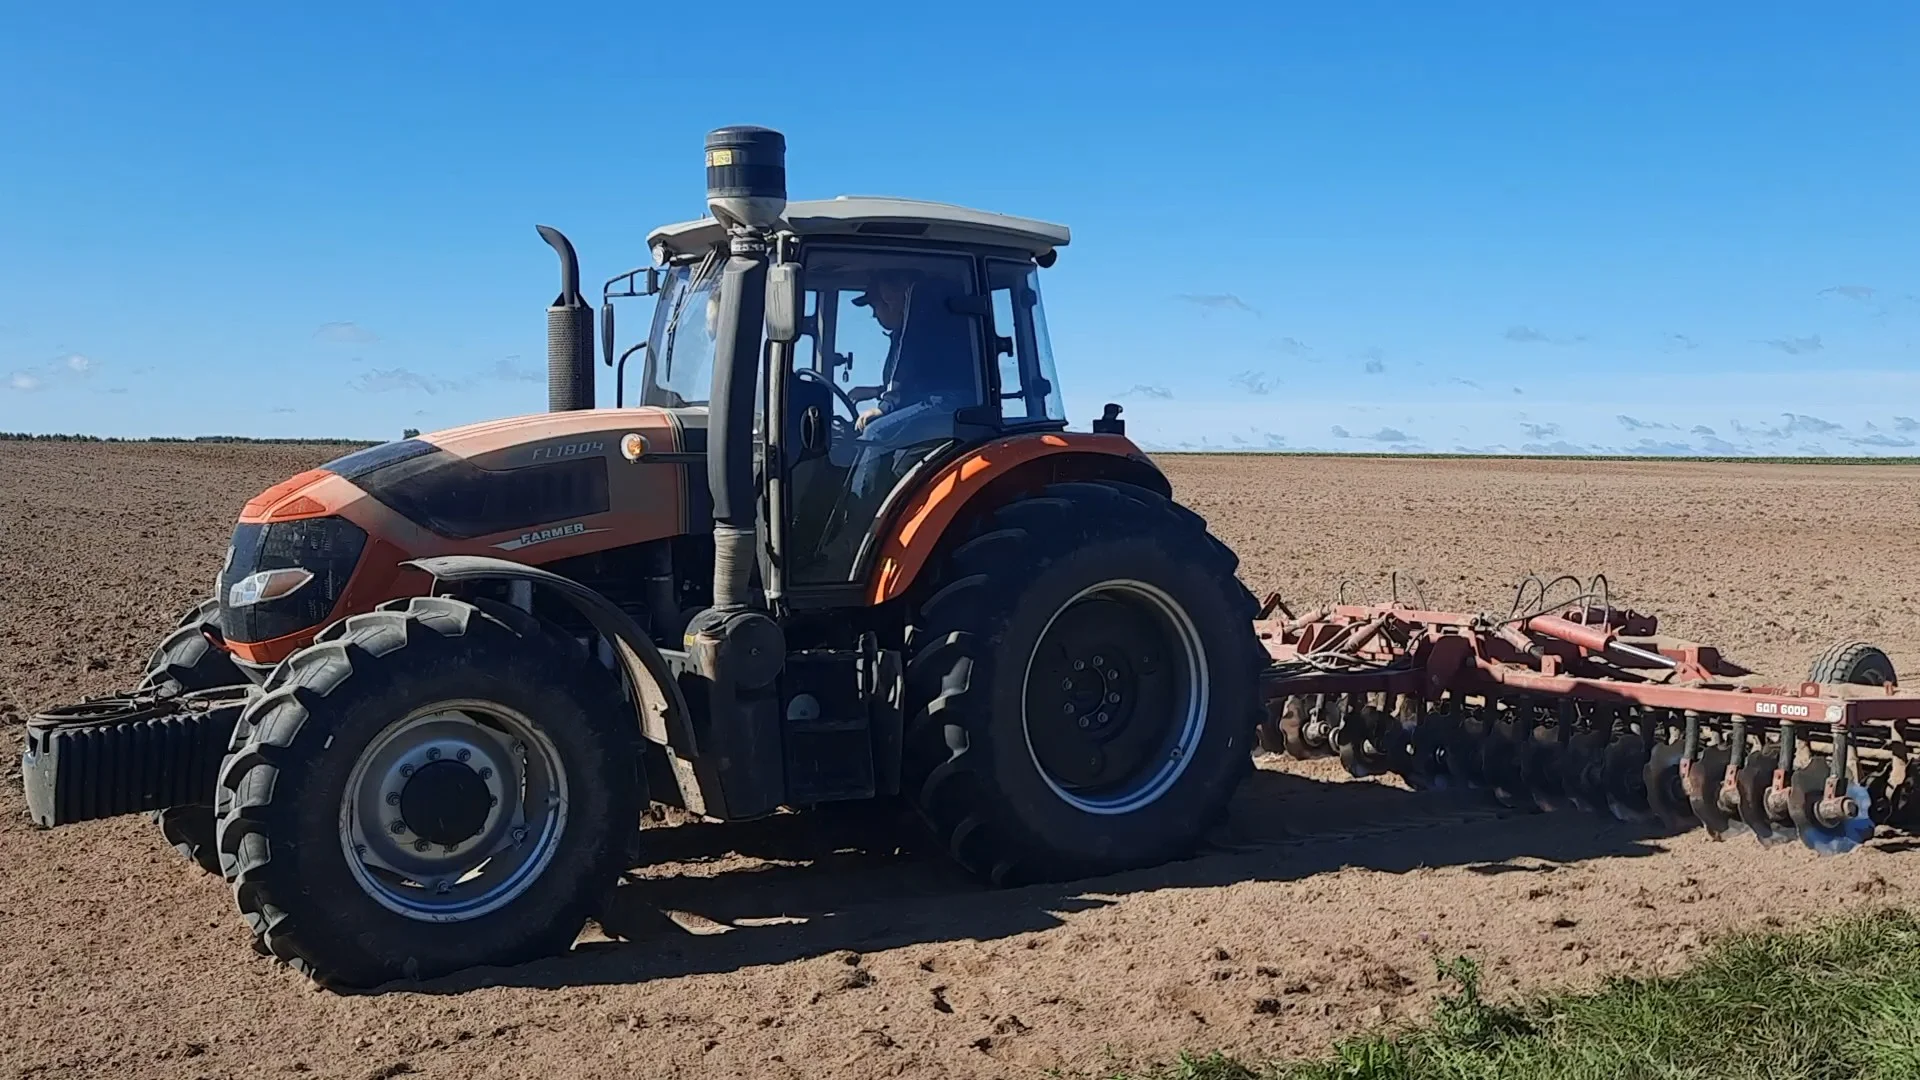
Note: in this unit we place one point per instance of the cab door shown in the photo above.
(888, 374)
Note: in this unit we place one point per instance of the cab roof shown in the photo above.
(871, 215)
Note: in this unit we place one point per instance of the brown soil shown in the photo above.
(786, 948)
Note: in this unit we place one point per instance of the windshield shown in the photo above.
(680, 348)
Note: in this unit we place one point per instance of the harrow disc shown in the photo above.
(1583, 771)
(1808, 786)
(1752, 783)
(1542, 765)
(1500, 752)
(1426, 767)
(1665, 795)
(1293, 723)
(1371, 743)
(1624, 770)
(1463, 752)
(1703, 784)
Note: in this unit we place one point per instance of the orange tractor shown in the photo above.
(844, 547)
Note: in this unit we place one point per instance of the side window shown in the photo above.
(1028, 387)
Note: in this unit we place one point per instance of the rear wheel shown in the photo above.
(429, 787)
(1083, 684)
(185, 660)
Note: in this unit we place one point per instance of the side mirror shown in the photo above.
(786, 303)
(606, 333)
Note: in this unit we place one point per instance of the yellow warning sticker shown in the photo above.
(719, 158)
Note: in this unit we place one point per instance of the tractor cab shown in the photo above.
(918, 331)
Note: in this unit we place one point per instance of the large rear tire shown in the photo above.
(1083, 686)
(429, 787)
(185, 660)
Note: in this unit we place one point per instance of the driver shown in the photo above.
(930, 357)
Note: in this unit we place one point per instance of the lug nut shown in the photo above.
(486, 773)
(519, 747)
(433, 753)
(1113, 699)
(464, 755)
(1112, 674)
(397, 828)
(448, 848)
(393, 798)
(1066, 684)
(1079, 665)
(493, 800)
(1067, 708)
(406, 770)
(443, 886)
(1101, 718)
(421, 845)
(1099, 661)
(519, 833)
(1084, 722)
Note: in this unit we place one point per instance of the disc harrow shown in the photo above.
(1584, 706)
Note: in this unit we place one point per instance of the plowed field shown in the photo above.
(787, 948)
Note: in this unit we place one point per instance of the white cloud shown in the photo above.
(347, 333)
(25, 382)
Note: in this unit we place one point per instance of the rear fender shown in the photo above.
(663, 714)
(924, 521)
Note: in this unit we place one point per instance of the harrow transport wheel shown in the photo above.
(1083, 686)
(1856, 662)
(428, 787)
(185, 660)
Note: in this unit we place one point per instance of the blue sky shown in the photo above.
(1621, 226)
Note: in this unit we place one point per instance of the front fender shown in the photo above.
(663, 713)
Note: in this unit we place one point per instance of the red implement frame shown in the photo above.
(1601, 655)
(1593, 654)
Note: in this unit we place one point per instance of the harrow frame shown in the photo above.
(1587, 703)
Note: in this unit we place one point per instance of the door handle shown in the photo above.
(812, 433)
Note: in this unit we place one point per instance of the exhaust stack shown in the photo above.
(569, 333)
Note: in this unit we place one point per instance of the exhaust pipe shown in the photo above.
(569, 333)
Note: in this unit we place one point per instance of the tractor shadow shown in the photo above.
(723, 897)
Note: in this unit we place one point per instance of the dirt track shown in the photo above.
(778, 949)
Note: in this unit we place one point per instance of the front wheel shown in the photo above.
(428, 787)
(186, 660)
(1084, 679)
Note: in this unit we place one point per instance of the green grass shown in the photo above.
(1840, 1002)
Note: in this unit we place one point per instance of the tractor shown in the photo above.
(841, 547)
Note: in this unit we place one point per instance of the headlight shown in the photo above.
(267, 585)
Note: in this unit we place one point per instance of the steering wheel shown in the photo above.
(814, 376)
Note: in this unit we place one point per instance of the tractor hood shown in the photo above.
(535, 489)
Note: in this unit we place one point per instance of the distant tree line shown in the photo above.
(22, 436)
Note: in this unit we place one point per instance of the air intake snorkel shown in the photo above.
(747, 193)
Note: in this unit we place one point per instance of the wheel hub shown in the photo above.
(1110, 718)
(445, 802)
(453, 811)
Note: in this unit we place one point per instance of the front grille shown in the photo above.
(329, 547)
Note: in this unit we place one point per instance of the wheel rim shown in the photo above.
(1115, 697)
(453, 811)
